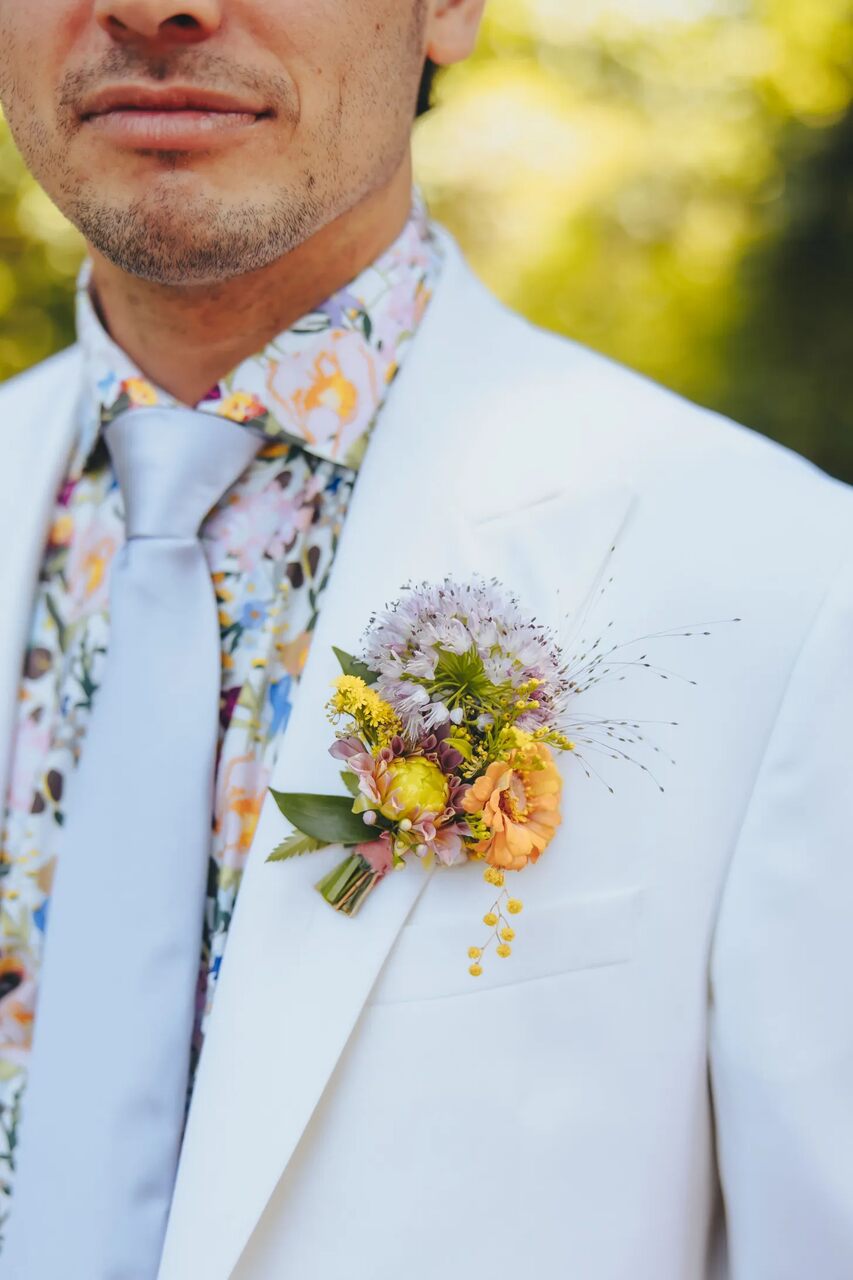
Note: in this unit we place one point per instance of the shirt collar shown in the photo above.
(320, 384)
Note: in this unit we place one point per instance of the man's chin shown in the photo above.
(196, 246)
(172, 261)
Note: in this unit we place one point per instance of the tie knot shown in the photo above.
(173, 465)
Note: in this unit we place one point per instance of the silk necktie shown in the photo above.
(104, 1107)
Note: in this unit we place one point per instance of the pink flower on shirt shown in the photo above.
(401, 313)
(252, 524)
(241, 788)
(96, 538)
(329, 396)
(31, 748)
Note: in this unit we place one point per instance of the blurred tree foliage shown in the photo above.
(39, 255)
(669, 181)
(788, 355)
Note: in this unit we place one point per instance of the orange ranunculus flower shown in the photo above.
(519, 801)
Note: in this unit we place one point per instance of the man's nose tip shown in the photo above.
(155, 19)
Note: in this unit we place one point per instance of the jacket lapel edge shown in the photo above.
(43, 423)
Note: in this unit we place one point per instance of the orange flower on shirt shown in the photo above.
(17, 1000)
(242, 407)
(61, 530)
(241, 794)
(331, 389)
(140, 393)
(329, 397)
(91, 553)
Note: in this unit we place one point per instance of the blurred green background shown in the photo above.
(668, 181)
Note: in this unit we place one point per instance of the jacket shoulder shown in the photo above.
(635, 425)
(50, 377)
(548, 411)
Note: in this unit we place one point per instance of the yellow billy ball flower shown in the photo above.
(415, 784)
(474, 953)
(493, 876)
(490, 919)
(514, 906)
(504, 950)
(507, 934)
(475, 970)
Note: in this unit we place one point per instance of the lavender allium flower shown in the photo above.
(446, 649)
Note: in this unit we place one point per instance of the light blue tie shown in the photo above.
(103, 1111)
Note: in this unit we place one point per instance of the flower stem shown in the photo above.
(346, 887)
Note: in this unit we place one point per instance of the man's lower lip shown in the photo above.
(172, 130)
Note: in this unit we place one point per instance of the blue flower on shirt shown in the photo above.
(279, 696)
(253, 615)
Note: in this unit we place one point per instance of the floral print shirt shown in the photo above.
(315, 392)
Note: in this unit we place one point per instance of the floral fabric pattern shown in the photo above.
(315, 392)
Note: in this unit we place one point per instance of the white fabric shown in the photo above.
(104, 1107)
(360, 1110)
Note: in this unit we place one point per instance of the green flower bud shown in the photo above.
(462, 745)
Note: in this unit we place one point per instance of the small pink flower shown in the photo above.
(374, 779)
(378, 854)
(444, 841)
(448, 847)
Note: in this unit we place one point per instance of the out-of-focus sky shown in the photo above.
(669, 181)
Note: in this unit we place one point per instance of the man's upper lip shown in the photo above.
(174, 98)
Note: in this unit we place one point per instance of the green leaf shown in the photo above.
(352, 667)
(350, 781)
(295, 845)
(61, 632)
(326, 818)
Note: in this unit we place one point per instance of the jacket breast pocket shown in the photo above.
(587, 931)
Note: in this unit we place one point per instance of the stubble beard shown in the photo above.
(171, 235)
(173, 232)
(168, 238)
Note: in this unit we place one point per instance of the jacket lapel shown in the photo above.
(36, 436)
(296, 974)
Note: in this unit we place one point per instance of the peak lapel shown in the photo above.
(296, 974)
(36, 435)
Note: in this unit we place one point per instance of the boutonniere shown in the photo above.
(448, 728)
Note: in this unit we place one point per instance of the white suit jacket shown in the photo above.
(658, 1084)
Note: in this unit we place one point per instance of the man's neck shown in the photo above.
(185, 338)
